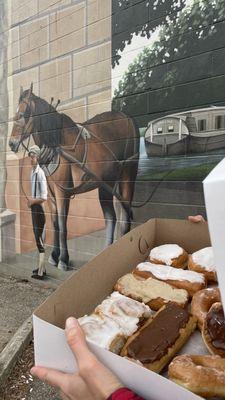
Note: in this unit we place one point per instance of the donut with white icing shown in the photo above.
(169, 254)
(183, 279)
(126, 312)
(103, 332)
(203, 261)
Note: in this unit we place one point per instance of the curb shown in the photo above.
(14, 348)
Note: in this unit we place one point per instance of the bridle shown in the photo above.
(27, 115)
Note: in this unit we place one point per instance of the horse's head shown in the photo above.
(22, 121)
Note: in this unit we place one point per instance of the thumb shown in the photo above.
(77, 342)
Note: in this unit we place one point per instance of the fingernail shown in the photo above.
(32, 371)
(71, 323)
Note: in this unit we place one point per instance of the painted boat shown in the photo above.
(195, 131)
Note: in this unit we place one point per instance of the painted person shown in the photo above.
(93, 381)
(39, 195)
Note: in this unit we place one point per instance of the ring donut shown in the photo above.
(203, 375)
(201, 303)
(213, 332)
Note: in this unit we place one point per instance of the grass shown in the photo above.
(195, 173)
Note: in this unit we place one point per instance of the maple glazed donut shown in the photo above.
(203, 261)
(169, 254)
(201, 303)
(202, 375)
(213, 332)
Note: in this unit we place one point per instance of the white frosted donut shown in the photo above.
(169, 254)
(126, 312)
(203, 261)
(183, 279)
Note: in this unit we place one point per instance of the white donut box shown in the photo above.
(85, 289)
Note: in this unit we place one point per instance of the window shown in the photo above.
(170, 128)
(220, 122)
(202, 124)
(159, 130)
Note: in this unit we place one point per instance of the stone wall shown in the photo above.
(64, 48)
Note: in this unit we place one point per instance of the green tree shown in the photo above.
(157, 12)
(197, 29)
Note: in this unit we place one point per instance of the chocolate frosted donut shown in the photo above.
(214, 330)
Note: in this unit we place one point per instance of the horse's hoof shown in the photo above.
(52, 261)
(62, 266)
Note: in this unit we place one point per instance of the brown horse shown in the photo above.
(101, 153)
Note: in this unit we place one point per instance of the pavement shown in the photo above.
(19, 297)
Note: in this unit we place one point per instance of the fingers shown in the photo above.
(196, 218)
(63, 396)
(76, 340)
(50, 376)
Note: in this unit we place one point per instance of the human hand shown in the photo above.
(196, 218)
(93, 381)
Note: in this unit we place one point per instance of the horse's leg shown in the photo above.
(126, 188)
(106, 201)
(54, 256)
(62, 204)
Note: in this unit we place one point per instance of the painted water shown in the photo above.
(174, 163)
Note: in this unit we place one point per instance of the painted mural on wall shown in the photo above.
(168, 74)
(135, 130)
(101, 153)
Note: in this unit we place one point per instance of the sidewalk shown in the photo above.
(81, 250)
(19, 296)
(18, 299)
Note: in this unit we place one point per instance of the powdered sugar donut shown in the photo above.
(169, 254)
(203, 261)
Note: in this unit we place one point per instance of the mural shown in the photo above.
(168, 73)
(139, 124)
(101, 153)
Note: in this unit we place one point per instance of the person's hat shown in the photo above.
(34, 150)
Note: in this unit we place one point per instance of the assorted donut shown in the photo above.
(155, 308)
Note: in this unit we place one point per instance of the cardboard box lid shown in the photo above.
(85, 289)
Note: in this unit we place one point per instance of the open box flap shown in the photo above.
(214, 191)
(51, 350)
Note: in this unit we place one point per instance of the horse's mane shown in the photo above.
(48, 122)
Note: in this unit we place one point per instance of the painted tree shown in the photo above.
(198, 30)
(3, 99)
(154, 12)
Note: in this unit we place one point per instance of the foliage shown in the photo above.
(194, 30)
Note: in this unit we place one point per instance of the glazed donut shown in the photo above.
(201, 303)
(203, 375)
(169, 254)
(203, 261)
(213, 332)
